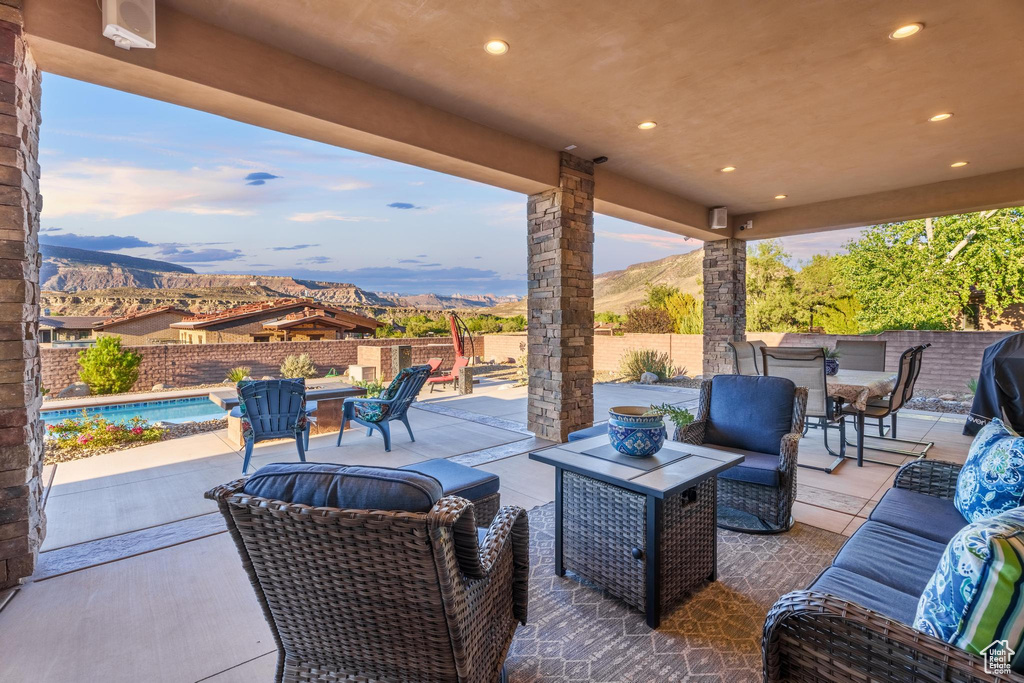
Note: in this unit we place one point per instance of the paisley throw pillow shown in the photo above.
(992, 479)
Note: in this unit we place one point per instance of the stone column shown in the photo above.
(560, 331)
(22, 524)
(725, 302)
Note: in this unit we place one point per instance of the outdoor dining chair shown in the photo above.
(806, 368)
(856, 354)
(370, 573)
(889, 407)
(393, 404)
(272, 409)
(746, 357)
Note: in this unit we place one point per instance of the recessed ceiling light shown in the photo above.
(647, 125)
(942, 117)
(569, 148)
(496, 47)
(958, 164)
(727, 169)
(780, 196)
(906, 31)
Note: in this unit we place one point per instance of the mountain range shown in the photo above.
(84, 282)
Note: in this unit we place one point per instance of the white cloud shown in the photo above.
(663, 241)
(349, 185)
(117, 190)
(331, 216)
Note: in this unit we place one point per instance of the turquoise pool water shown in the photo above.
(193, 409)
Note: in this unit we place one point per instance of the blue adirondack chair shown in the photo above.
(273, 409)
(393, 404)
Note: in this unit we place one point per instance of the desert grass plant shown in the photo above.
(298, 366)
(96, 433)
(107, 368)
(636, 362)
(236, 375)
(373, 388)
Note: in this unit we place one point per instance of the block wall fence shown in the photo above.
(189, 364)
(953, 359)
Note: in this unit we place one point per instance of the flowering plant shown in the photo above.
(93, 432)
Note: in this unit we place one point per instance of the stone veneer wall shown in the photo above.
(22, 522)
(725, 302)
(560, 306)
(188, 364)
(953, 359)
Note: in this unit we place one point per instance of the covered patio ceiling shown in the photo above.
(805, 98)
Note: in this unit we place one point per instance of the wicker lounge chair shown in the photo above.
(762, 418)
(393, 404)
(273, 409)
(412, 592)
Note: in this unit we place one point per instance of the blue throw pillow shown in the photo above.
(974, 598)
(992, 479)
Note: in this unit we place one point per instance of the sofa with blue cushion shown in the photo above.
(855, 621)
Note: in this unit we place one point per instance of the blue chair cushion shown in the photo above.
(975, 598)
(756, 468)
(892, 556)
(751, 413)
(346, 487)
(456, 479)
(928, 516)
(992, 479)
(596, 430)
(877, 596)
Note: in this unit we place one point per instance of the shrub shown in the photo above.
(680, 417)
(107, 368)
(636, 362)
(372, 387)
(236, 375)
(522, 370)
(298, 366)
(972, 385)
(647, 320)
(686, 312)
(95, 433)
(516, 323)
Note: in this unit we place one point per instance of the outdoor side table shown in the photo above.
(641, 528)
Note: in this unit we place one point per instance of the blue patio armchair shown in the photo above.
(393, 404)
(273, 409)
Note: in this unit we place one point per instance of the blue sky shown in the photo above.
(145, 178)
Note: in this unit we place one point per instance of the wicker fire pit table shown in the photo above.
(641, 528)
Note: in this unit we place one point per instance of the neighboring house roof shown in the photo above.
(308, 316)
(110, 322)
(69, 322)
(283, 306)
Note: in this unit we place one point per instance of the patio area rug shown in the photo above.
(579, 633)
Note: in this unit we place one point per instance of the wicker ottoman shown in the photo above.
(642, 529)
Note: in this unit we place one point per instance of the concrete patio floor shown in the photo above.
(138, 580)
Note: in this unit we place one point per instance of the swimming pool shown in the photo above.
(192, 409)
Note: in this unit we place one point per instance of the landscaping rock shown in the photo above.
(73, 390)
(648, 378)
(162, 387)
(947, 397)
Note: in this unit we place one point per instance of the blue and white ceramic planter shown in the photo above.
(635, 434)
(831, 366)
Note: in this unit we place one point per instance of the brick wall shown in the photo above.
(953, 359)
(187, 364)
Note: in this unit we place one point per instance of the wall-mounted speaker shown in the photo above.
(718, 218)
(130, 23)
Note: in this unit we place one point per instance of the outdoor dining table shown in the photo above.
(855, 388)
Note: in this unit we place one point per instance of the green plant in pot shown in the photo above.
(831, 360)
(680, 417)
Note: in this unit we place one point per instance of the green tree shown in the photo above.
(658, 295)
(107, 368)
(921, 274)
(608, 317)
(686, 312)
(824, 296)
(771, 299)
